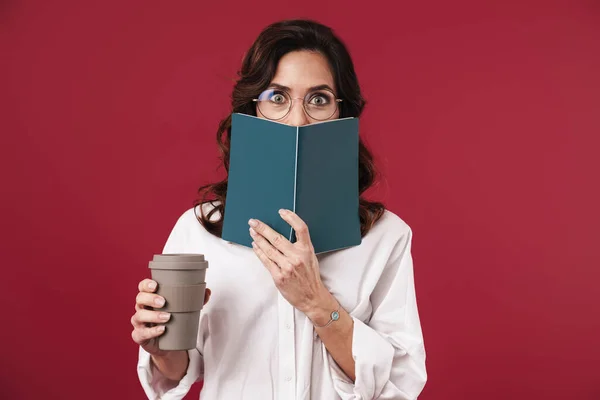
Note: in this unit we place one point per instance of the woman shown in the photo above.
(284, 323)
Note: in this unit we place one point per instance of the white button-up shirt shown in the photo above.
(252, 344)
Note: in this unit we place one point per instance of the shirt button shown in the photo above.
(288, 378)
(288, 325)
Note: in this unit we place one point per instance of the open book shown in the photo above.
(311, 170)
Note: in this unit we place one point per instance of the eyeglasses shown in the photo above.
(275, 104)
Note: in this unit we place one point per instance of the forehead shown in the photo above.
(301, 70)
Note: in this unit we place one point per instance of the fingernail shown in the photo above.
(253, 245)
(152, 285)
(161, 328)
(164, 316)
(282, 211)
(159, 301)
(252, 222)
(252, 232)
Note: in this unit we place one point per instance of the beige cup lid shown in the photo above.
(178, 261)
(178, 257)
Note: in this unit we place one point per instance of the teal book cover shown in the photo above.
(311, 170)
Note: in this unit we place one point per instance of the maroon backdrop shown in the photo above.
(483, 118)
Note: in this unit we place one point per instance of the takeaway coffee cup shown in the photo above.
(180, 279)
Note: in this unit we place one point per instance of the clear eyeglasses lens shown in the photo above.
(276, 104)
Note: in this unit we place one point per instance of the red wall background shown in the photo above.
(484, 117)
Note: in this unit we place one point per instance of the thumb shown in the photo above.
(207, 294)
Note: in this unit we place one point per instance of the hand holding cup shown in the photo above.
(147, 323)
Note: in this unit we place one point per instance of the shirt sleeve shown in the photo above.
(155, 384)
(388, 351)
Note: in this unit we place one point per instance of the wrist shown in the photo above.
(172, 364)
(168, 356)
(165, 356)
(320, 313)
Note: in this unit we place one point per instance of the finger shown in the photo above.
(140, 335)
(134, 320)
(207, 294)
(143, 317)
(275, 238)
(271, 252)
(147, 285)
(298, 225)
(149, 299)
(270, 265)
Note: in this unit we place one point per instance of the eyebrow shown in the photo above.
(311, 89)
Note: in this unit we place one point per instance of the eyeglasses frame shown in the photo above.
(337, 100)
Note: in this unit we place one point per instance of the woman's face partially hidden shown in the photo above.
(299, 73)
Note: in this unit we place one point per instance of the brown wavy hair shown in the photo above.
(256, 73)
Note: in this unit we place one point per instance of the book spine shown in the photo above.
(295, 176)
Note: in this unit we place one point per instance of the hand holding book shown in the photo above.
(293, 266)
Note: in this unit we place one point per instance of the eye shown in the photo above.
(277, 98)
(319, 99)
(273, 97)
